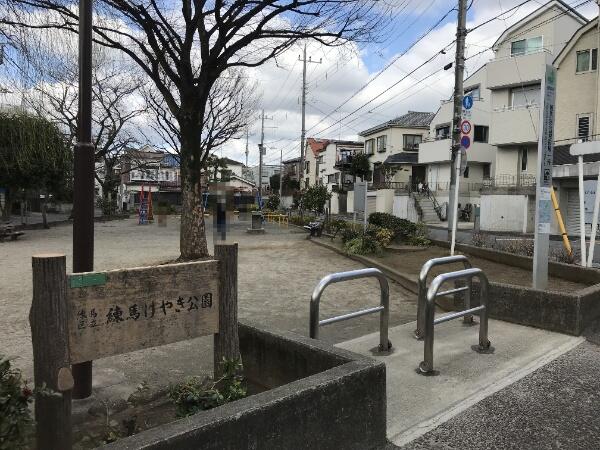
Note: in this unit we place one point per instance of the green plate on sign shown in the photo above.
(88, 279)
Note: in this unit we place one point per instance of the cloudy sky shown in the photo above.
(343, 72)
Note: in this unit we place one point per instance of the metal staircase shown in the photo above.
(427, 206)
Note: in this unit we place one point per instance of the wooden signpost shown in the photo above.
(87, 316)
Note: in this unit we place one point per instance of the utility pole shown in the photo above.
(247, 135)
(303, 133)
(459, 69)
(262, 150)
(280, 173)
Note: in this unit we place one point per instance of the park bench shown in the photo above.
(7, 231)
(315, 228)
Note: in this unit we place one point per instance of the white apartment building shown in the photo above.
(393, 147)
(435, 151)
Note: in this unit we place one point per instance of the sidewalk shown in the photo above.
(418, 404)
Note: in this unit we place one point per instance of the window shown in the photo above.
(524, 46)
(307, 166)
(442, 132)
(331, 178)
(524, 159)
(167, 176)
(473, 92)
(381, 143)
(412, 141)
(487, 171)
(525, 95)
(584, 127)
(320, 160)
(587, 60)
(370, 146)
(481, 133)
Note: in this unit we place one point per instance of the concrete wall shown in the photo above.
(385, 201)
(504, 213)
(320, 397)
(335, 205)
(350, 202)
(404, 207)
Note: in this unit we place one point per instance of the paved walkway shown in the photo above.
(418, 404)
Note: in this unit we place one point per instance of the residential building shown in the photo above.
(435, 151)
(268, 170)
(514, 78)
(393, 149)
(328, 161)
(235, 175)
(292, 169)
(576, 120)
(154, 170)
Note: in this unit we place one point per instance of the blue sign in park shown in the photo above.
(468, 101)
(465, 142)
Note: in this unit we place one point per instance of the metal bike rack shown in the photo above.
(426, 367)
(383, 308)
(422, 299)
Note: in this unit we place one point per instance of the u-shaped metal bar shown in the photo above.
(383, 308)
(466, 274)
(419, 333)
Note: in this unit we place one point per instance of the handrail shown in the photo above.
(426, 366)
(422, 284)
(436, 205)
(384, 308)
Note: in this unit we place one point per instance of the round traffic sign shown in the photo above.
(465, 142)
(465, 127)
(467, 101)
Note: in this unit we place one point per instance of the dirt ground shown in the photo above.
(277, 274)
(411, 262)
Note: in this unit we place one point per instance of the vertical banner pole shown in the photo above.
(594, 223)
(543, 209)
(581, 211)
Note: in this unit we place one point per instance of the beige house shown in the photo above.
(393, 147)
(577, 107)
(514, 78)
(327, 163)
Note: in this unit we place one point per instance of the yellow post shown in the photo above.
(561, 224)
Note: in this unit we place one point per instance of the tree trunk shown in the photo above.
(192, 236)
(7, 210)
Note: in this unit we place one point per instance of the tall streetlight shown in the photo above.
(83, 183)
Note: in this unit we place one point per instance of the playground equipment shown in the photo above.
(146, 211)
(422, 299)
(426, 366)
(281, 219)
(383, 308)
(561, 224)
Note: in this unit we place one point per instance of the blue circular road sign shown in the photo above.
(465, 142)
(467, 101)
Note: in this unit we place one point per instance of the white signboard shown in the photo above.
(585, 148)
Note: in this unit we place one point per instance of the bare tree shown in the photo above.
(185, 46)
(115, 95)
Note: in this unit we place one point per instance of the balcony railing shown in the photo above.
(506, 180)
(170, 185)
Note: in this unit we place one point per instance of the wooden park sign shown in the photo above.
(86, 316)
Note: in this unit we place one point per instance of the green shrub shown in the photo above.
(401, 228)
(348, 234)
(372, 240)
(419, 236)
(15, 418)
(196, 394)
(273, 202)
(337, 226)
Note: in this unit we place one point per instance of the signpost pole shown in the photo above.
(581, 210)
(543, 209)
(594, 223)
